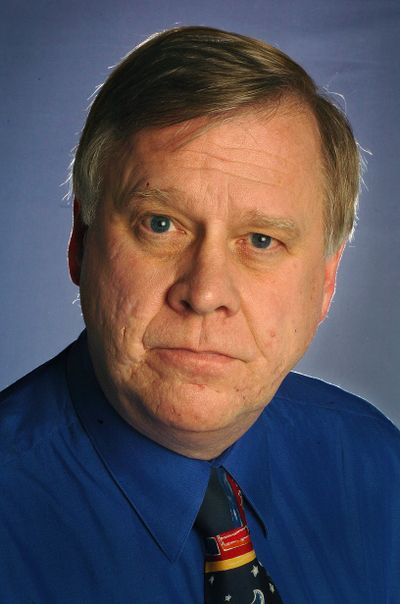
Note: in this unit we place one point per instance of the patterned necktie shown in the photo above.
(232, 572)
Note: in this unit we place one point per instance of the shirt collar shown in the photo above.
(166, 489)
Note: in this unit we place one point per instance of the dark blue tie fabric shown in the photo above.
(232, 571)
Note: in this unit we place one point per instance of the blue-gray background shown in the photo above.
(53, 56)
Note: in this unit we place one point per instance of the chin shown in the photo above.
(198, 408)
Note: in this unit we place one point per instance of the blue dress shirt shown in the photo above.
(92, 512)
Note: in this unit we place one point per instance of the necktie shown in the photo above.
(232, 572)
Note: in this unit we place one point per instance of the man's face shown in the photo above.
(203, 276)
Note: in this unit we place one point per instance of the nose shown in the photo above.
(206, 283)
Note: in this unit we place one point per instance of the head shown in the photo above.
(215, 190)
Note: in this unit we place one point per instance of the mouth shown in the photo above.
(199, 355)
(196, 361)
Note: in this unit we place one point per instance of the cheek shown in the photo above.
(120, 294)
(307, 313)
(284, 311)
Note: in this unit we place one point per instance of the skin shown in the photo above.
(192, 330)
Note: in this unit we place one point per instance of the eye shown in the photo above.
(159, 224)
(261, 241)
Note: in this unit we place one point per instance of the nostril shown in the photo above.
(185, 305)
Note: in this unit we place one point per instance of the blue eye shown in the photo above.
(160, 224)
(261, 241)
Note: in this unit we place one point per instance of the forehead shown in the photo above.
(247, 156)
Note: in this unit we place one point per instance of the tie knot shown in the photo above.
(222, 508)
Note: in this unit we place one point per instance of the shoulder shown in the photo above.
(313, 391)
(329, 408)
(33, 408)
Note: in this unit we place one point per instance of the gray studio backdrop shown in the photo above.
(53, 56)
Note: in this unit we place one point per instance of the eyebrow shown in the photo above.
(266, 221)
(167, 197)
(156, 194)
(255, 217)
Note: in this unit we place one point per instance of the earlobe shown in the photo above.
(76, 244)
(331, 268)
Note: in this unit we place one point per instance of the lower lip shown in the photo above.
(200, 361)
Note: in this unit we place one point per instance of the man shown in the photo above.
(215, 190)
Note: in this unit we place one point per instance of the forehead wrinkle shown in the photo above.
(249, 178)
(283, 162)
(171, 195)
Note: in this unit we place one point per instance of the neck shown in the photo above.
(203, 445)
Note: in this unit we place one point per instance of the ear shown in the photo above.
(76, 244)
(331, 267)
